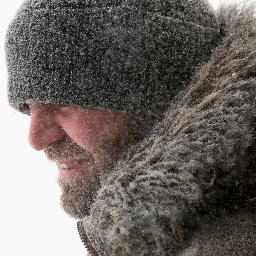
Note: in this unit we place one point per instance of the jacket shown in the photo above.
(189, 187)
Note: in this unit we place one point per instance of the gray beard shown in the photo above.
(78, 193)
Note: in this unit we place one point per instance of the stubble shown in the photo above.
(77, 192)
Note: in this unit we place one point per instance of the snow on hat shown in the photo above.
(125, 55)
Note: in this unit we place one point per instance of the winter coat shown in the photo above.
(189, 187)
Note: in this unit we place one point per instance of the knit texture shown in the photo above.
(148, 205)
(116, 55)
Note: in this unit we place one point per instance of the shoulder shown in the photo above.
(233, 234)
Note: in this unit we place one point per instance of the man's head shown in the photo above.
(83, 69)
(84, 142)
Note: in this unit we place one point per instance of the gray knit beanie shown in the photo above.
(125, 55)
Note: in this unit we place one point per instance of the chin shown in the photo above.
(77, 208)
(77, 195)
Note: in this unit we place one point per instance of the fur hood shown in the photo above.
(173, 191)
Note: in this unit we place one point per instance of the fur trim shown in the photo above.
(234, 16)
(147, 203)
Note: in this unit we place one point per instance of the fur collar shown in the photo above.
(191, 161)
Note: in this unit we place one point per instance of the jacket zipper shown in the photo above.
(85, 240)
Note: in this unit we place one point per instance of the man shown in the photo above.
(84, 143)
(88, 72)
(95, 77)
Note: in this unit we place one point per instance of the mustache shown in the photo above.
(66, 148)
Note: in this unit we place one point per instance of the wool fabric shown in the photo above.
(113, 54)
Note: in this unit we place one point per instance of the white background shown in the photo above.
(31, 220)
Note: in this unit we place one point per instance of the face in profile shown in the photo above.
(85, 143)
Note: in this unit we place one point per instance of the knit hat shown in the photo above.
(125, 55)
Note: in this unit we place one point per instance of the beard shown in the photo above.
(77, 194)
(79, 191)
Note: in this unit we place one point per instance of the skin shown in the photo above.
(97, 131)
(91, 138)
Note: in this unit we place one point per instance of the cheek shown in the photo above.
(104, 136)
(88, 133)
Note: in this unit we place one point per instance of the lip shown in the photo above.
(67, 160)
(82, 166)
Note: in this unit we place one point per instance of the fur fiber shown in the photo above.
(177, 178)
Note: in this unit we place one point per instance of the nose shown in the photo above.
(44, 127)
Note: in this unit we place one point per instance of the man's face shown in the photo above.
(84, 142)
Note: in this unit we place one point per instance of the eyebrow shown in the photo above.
(23, 108)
